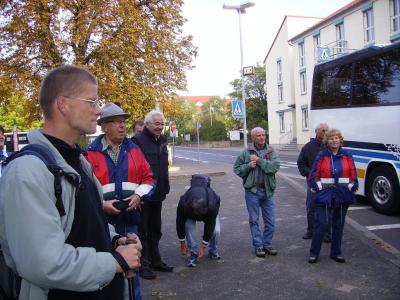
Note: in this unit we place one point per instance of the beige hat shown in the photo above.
(111, 110)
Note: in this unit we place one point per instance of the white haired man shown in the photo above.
(257, 166)
(154, 147)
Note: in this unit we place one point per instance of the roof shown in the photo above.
(329, 18)
(201, 99)
(280, 28)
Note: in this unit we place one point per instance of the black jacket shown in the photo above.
(156, 154)
(307, 156)
(199, 203)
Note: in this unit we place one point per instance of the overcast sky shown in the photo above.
(216, 34)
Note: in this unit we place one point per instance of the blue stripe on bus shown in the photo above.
(372, 154)
(361, 160)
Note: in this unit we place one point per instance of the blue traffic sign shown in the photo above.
(324, 54)
(237, 108)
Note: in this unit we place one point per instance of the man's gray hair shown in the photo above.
(321, 125)
(255, 129)
(150, 116)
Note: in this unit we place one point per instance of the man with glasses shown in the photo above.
(154, 147)
(123, 172)
(69, 253)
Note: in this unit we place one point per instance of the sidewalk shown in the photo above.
(365, 275)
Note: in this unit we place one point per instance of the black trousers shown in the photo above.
(150, 233)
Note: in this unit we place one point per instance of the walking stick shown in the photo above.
(131, 238)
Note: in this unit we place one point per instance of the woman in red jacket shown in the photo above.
(334, 180)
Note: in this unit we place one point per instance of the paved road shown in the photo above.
(370, 272)
(379, 227)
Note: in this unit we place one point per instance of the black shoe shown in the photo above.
(146, 273)
(339, 259)
(312, 259)
(307, 236)
(327, 240)
(270, 250)
(163, 267)
(260, 252)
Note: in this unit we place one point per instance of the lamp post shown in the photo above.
(241, 9)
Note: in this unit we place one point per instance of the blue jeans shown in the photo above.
(254, 202)
(190, 231)
(124, 230)
(321, 222)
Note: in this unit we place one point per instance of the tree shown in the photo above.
(15, 113)
(134, 47)
(256, 98)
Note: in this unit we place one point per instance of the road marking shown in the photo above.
(379, 227)
(359, 207)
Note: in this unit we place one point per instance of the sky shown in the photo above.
(215, 32)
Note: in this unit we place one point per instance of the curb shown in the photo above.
(185, 176)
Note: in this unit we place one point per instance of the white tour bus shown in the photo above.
(359, 94)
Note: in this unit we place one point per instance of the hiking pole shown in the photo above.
(131, 238)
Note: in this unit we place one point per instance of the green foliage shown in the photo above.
(256, 98)
(216, 132)
(15, 112)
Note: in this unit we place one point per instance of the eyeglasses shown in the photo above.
(93, 103)
(118, 122)
(158, 124)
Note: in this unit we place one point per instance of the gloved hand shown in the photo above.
(183, 248)
(202, 250)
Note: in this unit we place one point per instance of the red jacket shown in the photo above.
(131, 175)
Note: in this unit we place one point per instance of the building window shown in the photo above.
(395, 15)
(302, 58)
(281, 122)
(304, 118)
(369, 35)
(280, 93)
(340, 42)
(317, 44)
(279, 70)
(303, 83)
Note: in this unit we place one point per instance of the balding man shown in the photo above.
(257, 166)
(68, 253)
(304, 163)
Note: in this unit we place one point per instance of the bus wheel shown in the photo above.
(383, 190)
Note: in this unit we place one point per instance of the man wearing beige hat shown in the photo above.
(123, 172)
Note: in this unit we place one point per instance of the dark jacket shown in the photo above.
(156, 154)
(199, 203)
(307, 156)
(334, 177)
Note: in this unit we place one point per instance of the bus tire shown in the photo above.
(383, 191)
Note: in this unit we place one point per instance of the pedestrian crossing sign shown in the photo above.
(324, 54)
(237, 108)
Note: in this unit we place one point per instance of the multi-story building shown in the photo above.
(359, 24)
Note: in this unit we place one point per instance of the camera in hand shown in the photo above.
(121, 205)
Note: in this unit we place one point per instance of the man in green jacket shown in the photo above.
(257, 166)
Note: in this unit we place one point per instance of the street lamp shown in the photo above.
(241, 9)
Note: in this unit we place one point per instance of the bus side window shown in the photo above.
(377, 80)
(333, 87)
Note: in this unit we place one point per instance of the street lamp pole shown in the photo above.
(241, 9)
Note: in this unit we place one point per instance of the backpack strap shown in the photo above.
(47, 157)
